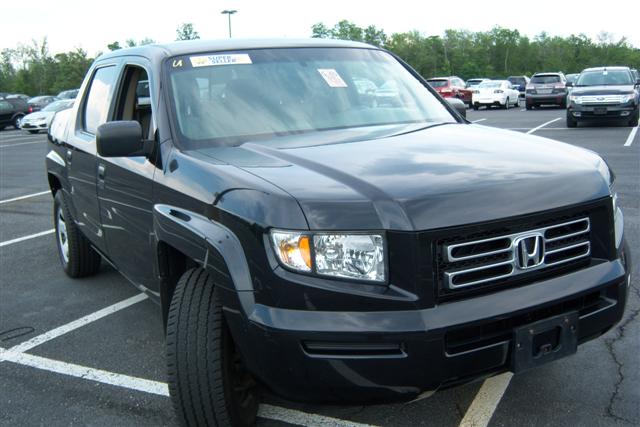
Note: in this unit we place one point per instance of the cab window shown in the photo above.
(98, 100)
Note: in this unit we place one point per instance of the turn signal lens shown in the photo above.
(293, 249)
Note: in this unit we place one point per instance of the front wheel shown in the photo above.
(77, 257)
(207, 380)
(571, 122)
(634, 120)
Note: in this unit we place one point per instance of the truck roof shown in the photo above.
(200, 46)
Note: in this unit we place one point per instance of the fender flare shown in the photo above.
(200, 238)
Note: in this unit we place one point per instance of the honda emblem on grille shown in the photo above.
(529, 250)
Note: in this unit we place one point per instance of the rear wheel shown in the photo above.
(529, 107)
(507, 104)
(476, 107)
(33, 131)
(17, 121)
(77, 257)
(207, 380)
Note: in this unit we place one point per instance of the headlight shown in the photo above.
(350, 256)
(576, 99)
(628, 97)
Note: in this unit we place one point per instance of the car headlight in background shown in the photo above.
(342, 255)
(575, 99)
(628, 97)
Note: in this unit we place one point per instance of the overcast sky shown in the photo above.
(92, 25)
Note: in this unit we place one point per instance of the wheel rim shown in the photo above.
(18, 121)
(63, 238)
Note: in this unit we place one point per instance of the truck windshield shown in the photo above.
(232, 97)
(604, 78)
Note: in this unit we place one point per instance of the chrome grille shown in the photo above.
(602, 99)
(491, 259)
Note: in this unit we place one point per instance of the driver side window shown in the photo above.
(134, 100)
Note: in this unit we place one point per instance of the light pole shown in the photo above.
(229, 13)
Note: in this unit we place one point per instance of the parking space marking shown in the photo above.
(479, 120)
(15, 199)
(61, 330)
(486, 401)
(632, 135)
(19, 144)
(30, 236)
(300, 418)
(291, 416)
(543, 125)
(84, 372)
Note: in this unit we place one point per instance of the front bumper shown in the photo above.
(602, 112)
(397, 355)
(34, 125)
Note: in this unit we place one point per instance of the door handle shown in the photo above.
(69, 156)
(101, 172)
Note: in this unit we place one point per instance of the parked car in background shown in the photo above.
(636, 74)
(58, 128)
(451, 87)
(546, 88)
(495, 93)
(519, 83)
(19, 95)
(41, 120)
(571, 78)
(68, 94)
(604, 93)
(472, 83)
(12, 111)
(3, 95)
(37, 103)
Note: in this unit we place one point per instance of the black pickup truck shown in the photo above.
(299, 236)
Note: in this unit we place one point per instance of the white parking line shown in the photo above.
(276, 413)
(22, 143)
(632, 135)
(479, 120)
(92, 374)
(61, 330)
(22, 239)
(300, 418)
(486, 401)
(15, 199)
(543, 125)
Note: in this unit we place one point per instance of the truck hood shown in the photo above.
(442, 176)
(602, 90)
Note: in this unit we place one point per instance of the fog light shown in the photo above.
(624, 113)
(577, 114)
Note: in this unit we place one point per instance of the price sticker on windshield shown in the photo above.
(211, 60)
(332, 77)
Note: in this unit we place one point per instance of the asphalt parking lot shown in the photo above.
(91, 351)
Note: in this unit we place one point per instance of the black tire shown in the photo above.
(476, 107)
(506, 104)
(634, 120)
(207, 383)
(563, 104)
(77, 257)
(571, 122)
(529, 107)
(17, 120)
(33, 131)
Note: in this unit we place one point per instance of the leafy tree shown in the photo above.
(186, 32)
(114, 46)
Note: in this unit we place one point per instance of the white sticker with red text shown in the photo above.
(211, 60)
(332, 77)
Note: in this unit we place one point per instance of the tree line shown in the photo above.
(32, 70)
(497, 53)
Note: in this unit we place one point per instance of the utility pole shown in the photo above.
(229, 13)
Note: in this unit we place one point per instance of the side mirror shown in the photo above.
(638, 82)
(569, 84)
(460, 106)
(122, 139)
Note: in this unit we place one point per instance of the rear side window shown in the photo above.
(438, 83)
(99, 98)
(545, 79)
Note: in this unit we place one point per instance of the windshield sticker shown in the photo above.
(211, 60)
(332, 77)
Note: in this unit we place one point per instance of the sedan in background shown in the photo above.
(546, 88)
(37, 103)
(519, 83)
(495, 93)
(604, 93)
(451, 87)
(41, 120)
(472, 83)
(68, 94)
(12, 110)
